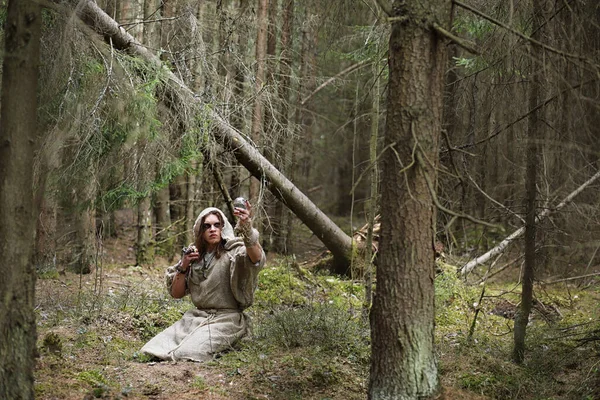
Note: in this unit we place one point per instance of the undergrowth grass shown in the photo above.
(308, 336)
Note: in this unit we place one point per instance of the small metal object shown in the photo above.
(189, 249)
(239, 202)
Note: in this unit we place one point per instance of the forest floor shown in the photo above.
(309, 340)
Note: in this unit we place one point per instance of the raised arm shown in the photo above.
(250, 235)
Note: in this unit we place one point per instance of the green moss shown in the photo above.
(92, 377)
(52, 343)
(278, 284)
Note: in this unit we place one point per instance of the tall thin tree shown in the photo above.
(261, 55)
(534, 133)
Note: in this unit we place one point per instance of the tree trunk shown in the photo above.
(330, 234)
(18, 128)
(371, 206)
(282, 219)
(257, 115)
(271, 223)
(144, 164)
(190, 202)
(535, 129)
(177, 196)
(163, 219)
(403, 364)
(237, 115)
(84, 219)
(308, 75)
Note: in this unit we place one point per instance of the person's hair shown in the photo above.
(201, 244)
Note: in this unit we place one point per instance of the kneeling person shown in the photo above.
(220, 272)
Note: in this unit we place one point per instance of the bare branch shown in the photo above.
(351, 68)
(522, 117)
(490, 198)
(468, 267)
(384, 7)
(519, 34)
(444, 209)
(150, 21)
(574, 278)
(465, 44)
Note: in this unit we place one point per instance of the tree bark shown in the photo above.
(330, 234)
(272, 152)
(18, 129)
(144, 170)
(403, 364)
(371, 205)
(190, 202)
(259, 82)
(306, 118)
(83, 218)
(237, 114)
(282, 219)
(163, 218)
(535, 132)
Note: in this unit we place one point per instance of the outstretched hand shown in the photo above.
(249, 235)
(244, 215)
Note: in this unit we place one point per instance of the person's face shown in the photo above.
(211, 231)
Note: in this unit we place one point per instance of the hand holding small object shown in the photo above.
(190, 254)
(242, 210)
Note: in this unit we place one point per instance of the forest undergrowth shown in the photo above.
(309, 341)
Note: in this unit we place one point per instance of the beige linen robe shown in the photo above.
(220, 293)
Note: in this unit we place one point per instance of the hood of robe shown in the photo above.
(226, 231)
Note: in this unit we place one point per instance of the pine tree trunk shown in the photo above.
(403, 364)
(261, 56)
(18, 134)
(282, 217)
(237, 116)
(308, 75)
(271, 224)
(535, 128)
(190, 202)
(163, 219)
(371, 205)
(144, 164)
(45, 238)
(177, 196)
(84, 220)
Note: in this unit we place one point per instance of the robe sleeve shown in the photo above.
(170, 275)
(244, 276)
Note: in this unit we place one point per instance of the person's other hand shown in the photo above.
(189, 258)
(244, 216)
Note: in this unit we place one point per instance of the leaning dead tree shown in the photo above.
(468, 267)
(328, 232)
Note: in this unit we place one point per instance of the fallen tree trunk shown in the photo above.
(327, 231)
(468, 267)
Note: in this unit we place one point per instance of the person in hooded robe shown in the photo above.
(220, 273)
